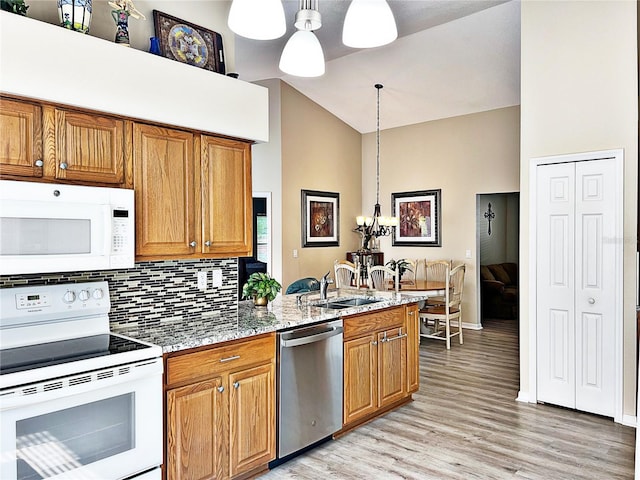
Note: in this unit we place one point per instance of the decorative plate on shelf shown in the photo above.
(188, 43)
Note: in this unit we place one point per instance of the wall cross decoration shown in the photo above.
(489, 215)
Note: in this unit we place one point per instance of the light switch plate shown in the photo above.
(202, 280)
(216, 277)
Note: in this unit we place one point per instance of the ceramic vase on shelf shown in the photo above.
(121, 17)
(75, 14)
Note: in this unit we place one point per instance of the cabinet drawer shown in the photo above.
(213, 361)
(364, 324)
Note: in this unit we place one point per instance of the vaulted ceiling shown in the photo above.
(452, 57)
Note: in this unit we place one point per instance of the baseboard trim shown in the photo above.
(472, 326)
(630, 421)
(523, 397)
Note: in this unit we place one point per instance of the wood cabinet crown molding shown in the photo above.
(153, 88)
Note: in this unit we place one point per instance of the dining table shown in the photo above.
(422, 287)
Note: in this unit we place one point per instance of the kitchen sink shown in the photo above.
(345, 302)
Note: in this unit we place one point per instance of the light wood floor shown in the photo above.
(466, 424)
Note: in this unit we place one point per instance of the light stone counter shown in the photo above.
(281, 314)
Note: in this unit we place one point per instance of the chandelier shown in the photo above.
(367, 24)
(376, 225)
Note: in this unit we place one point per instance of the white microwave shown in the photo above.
(47, 227)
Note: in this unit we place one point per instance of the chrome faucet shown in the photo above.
(324, 285)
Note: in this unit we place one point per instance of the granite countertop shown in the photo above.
(283, 313)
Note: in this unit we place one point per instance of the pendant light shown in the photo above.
(302, 56)
(257, 19)
(376, 225)
(369, 23)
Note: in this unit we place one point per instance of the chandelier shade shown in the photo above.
(302, 56)
(368, 24)
(257, 19)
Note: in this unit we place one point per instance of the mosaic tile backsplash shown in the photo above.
(153, 293)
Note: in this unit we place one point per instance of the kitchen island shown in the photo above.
(220, 378)
(284, 312)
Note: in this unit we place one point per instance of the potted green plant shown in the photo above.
(14, 6)
(401, 265)
(261, 287)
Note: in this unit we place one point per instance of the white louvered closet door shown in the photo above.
(575, 302)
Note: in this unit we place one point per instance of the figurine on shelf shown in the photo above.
(123, 9)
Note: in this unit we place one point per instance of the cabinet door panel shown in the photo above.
(226, 197)
(164, 174)
(360, 378)
(195, 440)
(252, 421)
(89, 147)
(413, 348)
(392, 366)
(21, 138)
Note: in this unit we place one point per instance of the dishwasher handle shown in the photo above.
(318, 337)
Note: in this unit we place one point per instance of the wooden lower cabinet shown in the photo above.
(195, 441)
(413, 347)
(376, 364)
(252, 418)
(222, 426)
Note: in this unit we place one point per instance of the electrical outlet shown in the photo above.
(468, 253)
(202, 280)
(295, 253)
(216, 278)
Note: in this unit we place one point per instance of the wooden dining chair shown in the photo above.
(420, 269)
(380, 276)
(346, 274)
(437, 271)
(435, 320)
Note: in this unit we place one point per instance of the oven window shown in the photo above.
(44, 236)
(61, 441)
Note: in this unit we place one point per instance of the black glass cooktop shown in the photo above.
(54, 353)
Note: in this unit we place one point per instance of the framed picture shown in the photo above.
(189, 43)
(419, 218)
(320, 219)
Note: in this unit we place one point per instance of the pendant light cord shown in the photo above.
(378, 87)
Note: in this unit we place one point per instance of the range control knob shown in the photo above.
(98, 293)
(83, 295)
(69, 296)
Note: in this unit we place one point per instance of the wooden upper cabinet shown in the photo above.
(89, 147)
(20, 139)
(226, 197)
(164, 179)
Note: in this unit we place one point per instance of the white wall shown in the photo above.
(266, 173)
(579, 93)
(463, 156)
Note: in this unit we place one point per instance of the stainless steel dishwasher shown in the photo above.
(309, 385)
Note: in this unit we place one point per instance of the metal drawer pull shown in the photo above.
(236, 384)
(374, 343)
(395, 338)
(63, 166)
(221, 389)
(39, 163)
(207, 243)
(193, 244)
(228, 359)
